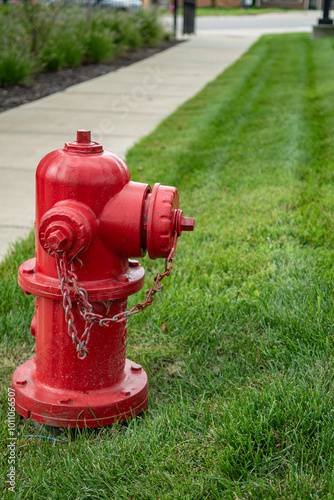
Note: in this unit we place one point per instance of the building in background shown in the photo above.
(291, 4)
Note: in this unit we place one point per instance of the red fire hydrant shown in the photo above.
(90, 220)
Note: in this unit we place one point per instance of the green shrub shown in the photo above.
(134, 30)
(150, 29)
(62, 50)
(132, 37)
(51, 58)
(5, 9)
(73, 48)
(100, 45)
(65, 48)
(116, 24)
(58, 38)
(38, 19)
(15, 66)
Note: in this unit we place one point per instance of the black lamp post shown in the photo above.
(326, 19)
(175, 17)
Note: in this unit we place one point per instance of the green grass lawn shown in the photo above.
(223, 11)
(241, 384)
(229, 11)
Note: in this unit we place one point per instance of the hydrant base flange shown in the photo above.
(66, 408)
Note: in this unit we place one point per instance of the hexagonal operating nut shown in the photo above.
(58, 241)
(58, 237)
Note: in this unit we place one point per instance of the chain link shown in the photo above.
(69, 285)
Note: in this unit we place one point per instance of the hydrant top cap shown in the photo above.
(83, 144)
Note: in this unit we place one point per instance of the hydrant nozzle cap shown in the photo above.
(83, 144)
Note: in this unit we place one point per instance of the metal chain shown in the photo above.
(69, 285)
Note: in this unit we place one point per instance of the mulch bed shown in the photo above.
(48, 83)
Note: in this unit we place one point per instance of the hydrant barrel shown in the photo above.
(91, 221)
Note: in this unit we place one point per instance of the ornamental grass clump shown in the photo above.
(15, 66)
(37, 37)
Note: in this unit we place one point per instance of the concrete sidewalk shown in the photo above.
(119, 108)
